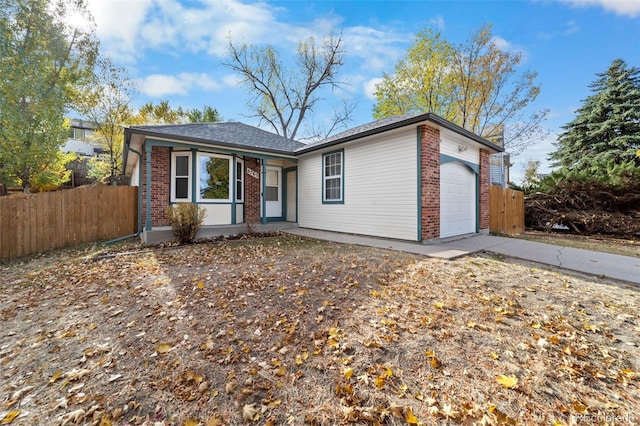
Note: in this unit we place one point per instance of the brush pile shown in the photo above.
(586, 209)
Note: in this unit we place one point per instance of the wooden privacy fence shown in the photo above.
(506, 210)
(34, 223)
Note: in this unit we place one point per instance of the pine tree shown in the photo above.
(604, 138)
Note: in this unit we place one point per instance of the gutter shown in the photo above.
(416, 119)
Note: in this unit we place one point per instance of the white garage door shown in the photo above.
(457, 200)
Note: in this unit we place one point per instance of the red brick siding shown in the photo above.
(430, 177)
(160, 185)
(252, 191)
(484, 189)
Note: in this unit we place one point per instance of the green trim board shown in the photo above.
(263, 191)
(194, 180)
(233, 184)
(147, 149)
(419, 178)
(342, 176)
(444, 158)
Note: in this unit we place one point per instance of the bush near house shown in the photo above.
(185, 220)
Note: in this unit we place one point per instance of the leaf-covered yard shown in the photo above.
(286, 330)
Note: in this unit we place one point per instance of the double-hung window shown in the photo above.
(239, 180)
(333, 177)
(214, 177)
(180, 176)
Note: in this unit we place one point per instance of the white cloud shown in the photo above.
(379, 50)
(629, 8)
(231, 80)
(437, 22)
(370, 87)
(159, 85)
(129, 28)
(506, 46)
(501, 43)
(117, 24)
(571, 27)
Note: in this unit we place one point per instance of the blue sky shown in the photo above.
(174, 49)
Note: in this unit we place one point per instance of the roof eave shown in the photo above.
(192, 139)
(409, 121)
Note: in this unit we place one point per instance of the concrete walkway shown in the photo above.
(603, 265)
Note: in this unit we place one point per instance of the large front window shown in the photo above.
(214, 177)
(332, 176)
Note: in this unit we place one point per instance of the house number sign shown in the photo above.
(253, 173)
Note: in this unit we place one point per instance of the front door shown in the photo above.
(273, 192)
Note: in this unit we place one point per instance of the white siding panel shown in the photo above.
(239, 213)
(135, 175)
(217, 214)
(380, 188)
(450, 143)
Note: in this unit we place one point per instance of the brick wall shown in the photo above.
(160, 185)
(430, 176)
(484, 189)
(252, 191)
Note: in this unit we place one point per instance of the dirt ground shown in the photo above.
(287, 330)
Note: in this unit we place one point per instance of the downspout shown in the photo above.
(139, 224)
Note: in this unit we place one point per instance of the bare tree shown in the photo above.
(283, 97)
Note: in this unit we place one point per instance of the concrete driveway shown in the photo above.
(598, 264)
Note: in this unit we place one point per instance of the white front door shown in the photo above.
(291, 197)
(273, 192)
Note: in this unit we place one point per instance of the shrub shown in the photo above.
(185, 220)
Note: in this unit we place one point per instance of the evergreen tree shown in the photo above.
(604, 138)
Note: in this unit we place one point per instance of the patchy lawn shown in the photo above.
(286, 330)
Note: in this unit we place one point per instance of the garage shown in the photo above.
(457, 200)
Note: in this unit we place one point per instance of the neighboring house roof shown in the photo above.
(394, 122)
(233, 134)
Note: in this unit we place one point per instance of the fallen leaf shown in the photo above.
(163, 348)
(409, 417)
(250, 413)
(9, 417)
(191, 422)
(55, 377)
(348, 373)
(508, 382)
(214, 421)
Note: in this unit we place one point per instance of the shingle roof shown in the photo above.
(232, 134)
(393, 122)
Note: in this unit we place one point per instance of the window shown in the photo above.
(332, 177)
(181, 178)
(77, 133)
(273, 185)
(239, 180)
(214, 177)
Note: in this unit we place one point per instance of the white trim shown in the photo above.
(239, 178)
(339, 176)
(175, 154)
(199, 173)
